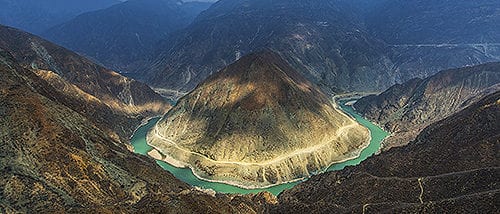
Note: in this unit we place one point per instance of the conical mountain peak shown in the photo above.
(256, 123)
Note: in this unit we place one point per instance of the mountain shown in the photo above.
(257, 123)
(405, 109)
(53, 159)
(334, 44)
(123, 36)
(323, 40)
(452, 166)
(430, 36)
(36, 16)
(117, 103)
(437, 22)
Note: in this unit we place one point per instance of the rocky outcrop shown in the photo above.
(452, 166)
(407, 108)
(257, 123)
(116, 103)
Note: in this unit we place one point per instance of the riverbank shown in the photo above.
(187, 175)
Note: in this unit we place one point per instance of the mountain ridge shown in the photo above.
(407, 108)
(453, 169)
(122, 102)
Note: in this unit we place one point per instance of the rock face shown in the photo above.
(117, 103)
(257, 123)
(452, 166)
(103, 36)
(37, 16)
(54, 160)
(338, 45)
(406, 109)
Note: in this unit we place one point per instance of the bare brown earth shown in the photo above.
(257, 123)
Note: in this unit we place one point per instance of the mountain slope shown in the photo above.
(334, 44)
(53, 159)
(257, 123)
(119, 99)
(438, 22)
(36, 16)
(123, 36)
(430, 36)
(408, 108)
(323, 40)
(452, 166)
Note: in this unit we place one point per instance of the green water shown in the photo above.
(185, 174)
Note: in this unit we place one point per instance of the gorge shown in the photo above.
(249, 106)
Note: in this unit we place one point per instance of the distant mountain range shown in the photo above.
(36, 16)
(339, 45)
(323, 40)
(435, 22)
(124, 36)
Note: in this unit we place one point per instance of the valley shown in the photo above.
(249, 106)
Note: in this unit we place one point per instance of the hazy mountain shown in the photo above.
(407, 108)
(124, 35)
(323, 40)
(332, 43)
(452, 166)
(107, 98)
(36, 16)
(436, 22)
(429, 36)
(255, 123)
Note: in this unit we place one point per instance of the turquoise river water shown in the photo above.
(185, 174)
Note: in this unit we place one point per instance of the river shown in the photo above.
(185, 174)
